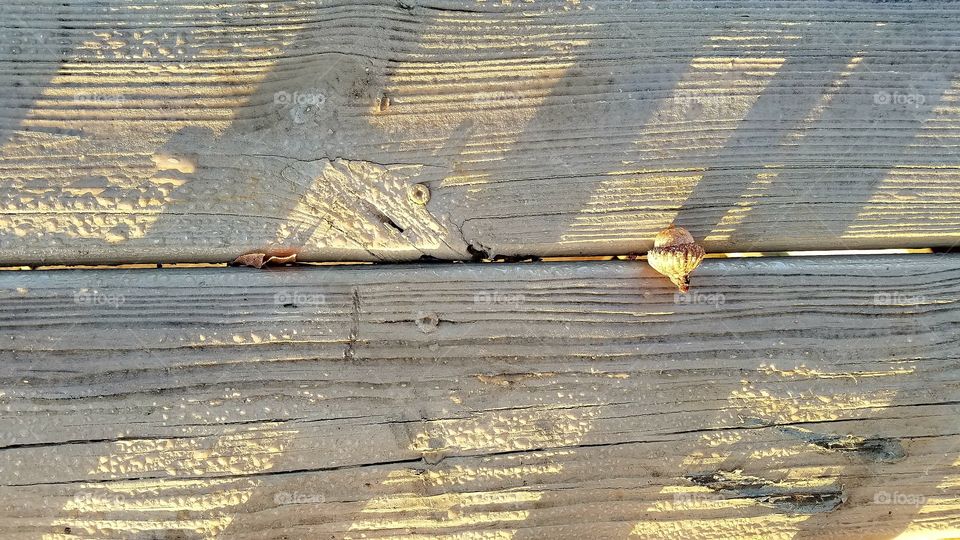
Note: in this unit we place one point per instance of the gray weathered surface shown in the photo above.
(527, 401)
(179, 131)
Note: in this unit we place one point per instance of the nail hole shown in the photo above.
(427, 322)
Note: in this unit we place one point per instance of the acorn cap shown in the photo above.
(675, 255)
(676, 262)
(672, 236)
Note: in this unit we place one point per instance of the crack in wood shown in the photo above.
(793, 499)
(877, 449)
(348, 353)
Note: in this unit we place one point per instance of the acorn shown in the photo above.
(675, 254)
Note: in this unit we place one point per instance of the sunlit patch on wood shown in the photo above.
(714, 89)
(505, 431)
(205, 507)
(488, 433)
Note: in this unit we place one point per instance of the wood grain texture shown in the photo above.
(176, 131)
(785, 398)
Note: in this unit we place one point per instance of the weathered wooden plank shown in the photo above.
(786, 397)
(177, 131)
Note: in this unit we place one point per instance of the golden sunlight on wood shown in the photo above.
(202, 507)
(714, 89)
(490, 433)
(917, 188)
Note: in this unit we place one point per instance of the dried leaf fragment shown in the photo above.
(259, 260)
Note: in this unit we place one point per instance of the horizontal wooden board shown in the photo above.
(177, 131)
(783, 398)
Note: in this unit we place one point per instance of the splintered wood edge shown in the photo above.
(782, 397)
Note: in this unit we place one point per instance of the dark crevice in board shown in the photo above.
(877, 449)
(480, 254)
(780, 495)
